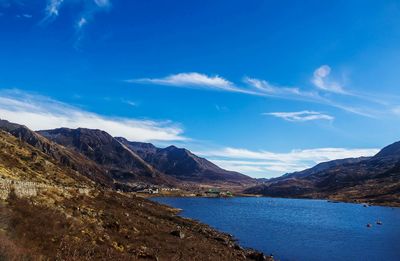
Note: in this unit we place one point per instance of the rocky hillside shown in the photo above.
(50, 211)
(183, 165)
(121, 163)
(375, 180)
(70, 159)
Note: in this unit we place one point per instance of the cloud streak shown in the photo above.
(267, 89)
(38, 112)
(194, 80)
(327, 91)
(271, 164)
(53, 7)
(301, 116)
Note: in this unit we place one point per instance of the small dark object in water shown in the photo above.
(369, 225)
(365, 206)
(378, 222)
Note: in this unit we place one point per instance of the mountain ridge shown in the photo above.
(368, 179)
(183, 165)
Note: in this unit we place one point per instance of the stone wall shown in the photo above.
(26, 189)
(21, 188)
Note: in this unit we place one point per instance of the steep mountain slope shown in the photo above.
(49, 211)
(375, 180)
(121, 163)
(183, 165)
(60, 154)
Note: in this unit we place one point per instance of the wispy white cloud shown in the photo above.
(37, 112)
(300, 116)
(320, 80)
(82, 22)
(271, 164)
(194, 80)
(52, 10)
(131, 103)
(317, 155)
(53, 7)
(87, 16)
(267, 88)
(89, 8)
(190, 79)
(328, 92)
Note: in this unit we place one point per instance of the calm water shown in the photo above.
(295, 229)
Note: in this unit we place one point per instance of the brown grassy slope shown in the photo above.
(20, 161)
(104, 225)
(58, 154)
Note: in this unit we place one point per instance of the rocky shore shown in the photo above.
(113, 225)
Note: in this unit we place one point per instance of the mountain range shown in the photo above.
(367, 179)
(119, 163)
(116, 163)
(183, 165)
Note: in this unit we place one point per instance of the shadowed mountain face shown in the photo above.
(120, 162)
(375, 179)
(183, 165)
(135, 161)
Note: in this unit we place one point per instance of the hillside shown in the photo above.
(49, 211)
(375, 180)
(121, 163)
(63, 156)
(183, 165)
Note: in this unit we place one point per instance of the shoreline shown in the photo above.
(253, 253)
(329, 200)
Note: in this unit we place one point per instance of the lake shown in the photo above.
(297, 229)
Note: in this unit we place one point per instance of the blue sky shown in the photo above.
(261, 87)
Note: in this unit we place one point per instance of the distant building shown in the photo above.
(149, 191)
(226, 194)
(213, 193)
(170, 189)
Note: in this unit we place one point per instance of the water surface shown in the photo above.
(296, 229)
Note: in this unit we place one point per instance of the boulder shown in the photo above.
(178, 233)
